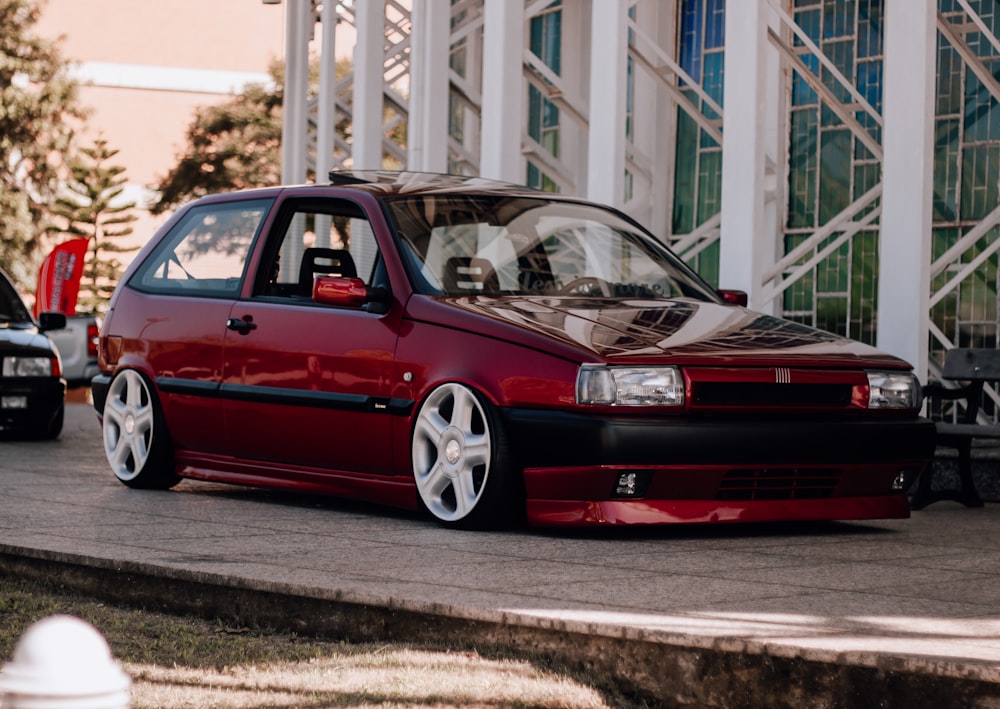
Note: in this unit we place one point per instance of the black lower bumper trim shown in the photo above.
(546, 438)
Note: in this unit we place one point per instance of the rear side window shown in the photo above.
(206, 252)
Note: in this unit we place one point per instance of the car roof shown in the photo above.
(386, 182)
(382, 184)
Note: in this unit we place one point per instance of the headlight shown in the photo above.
(893, 390)
(630, 386)
(27, 366)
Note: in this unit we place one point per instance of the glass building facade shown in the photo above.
(698, 162)
(829, 167)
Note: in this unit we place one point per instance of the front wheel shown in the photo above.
(460, 461)
(136, 442)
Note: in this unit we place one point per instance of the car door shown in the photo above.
(183, 294)
(308, 384)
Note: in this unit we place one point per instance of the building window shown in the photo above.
(966, 165)
(829, 167)
(544, 41)
(698, 164)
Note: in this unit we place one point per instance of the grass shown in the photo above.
(185, 662)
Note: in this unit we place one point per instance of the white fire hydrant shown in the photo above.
(62, 662)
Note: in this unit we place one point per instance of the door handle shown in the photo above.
(241, 326)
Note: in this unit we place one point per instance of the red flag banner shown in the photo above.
(59, 277)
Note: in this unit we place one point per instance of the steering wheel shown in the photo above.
(586, 285)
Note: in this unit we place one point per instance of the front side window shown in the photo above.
(486, 245)
(312, 238)
(206, 252)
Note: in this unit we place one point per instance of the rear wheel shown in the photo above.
(136, 442)
(460, 461)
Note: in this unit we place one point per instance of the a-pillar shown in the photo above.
(608, 77)
(907, 180)
(427, 131)
(501, 157)
(747, 247)
(369, 63)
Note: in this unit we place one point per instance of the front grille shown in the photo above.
(765, 394)
(778, 484)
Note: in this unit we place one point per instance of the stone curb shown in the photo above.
(662, 668)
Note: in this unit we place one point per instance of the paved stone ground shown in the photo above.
(885, 613)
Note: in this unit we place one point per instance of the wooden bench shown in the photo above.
(975, 367)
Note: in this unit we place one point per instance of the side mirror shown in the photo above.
(350, 293)
(51, 321)
(733, 297)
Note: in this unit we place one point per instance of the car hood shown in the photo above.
(679, 330)
(26, 341)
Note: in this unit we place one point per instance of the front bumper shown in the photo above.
(715, 469)
(45, 398)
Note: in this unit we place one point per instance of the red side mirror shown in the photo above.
(345, 292)
(733, 297)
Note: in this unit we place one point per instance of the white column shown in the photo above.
(503, 91)
(295, 120)
(369, 62)
(907, 180)
(298, 25)
(327, 109)
(659, 117)
(608, 84)
(427, 132)
(745, 246)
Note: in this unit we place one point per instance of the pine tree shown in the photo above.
(93, 208)
(38, 111)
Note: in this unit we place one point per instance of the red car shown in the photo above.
(490, 353)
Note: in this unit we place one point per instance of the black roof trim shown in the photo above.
(347, 177)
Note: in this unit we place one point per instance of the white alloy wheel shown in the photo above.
(452, 452)
(133, 429)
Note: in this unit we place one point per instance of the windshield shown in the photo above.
(495, 245)
(12, 308)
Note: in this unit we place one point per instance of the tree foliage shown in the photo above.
(234, 145)
(92, 207)
(39, 108)
(237, 144)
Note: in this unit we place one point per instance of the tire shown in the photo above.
(136, 441)
(461, 463)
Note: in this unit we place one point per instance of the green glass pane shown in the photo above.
(831, 314)
(706, 264)
(802, 169)
(832, 272)
(982, 114)
(709, 185)
(864, 286)
(835, 173)
(942, 239)
(799, 296)
(535, 113)
(949, 80)
(866, 176)
(685, 174)
(980, 165)
(946, 150)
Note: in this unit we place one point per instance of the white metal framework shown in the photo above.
(806, 178)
